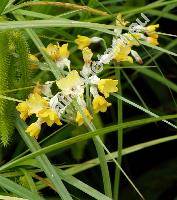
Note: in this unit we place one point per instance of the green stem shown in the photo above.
(100, 152)
(120, 140)
(104, 166)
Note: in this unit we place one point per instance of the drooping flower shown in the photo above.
(121, 53)
(36, 103)
(87, 57)
(107, 86)
(152, 34)
(120, 23)
(132, 39)
(100, 104)
(33, 61)
(23, 108)
(151, 29)
(49, 116)
(120, 20)
(59, 54)
(87, 54)
(34, 129)
(84, 41)
(152, 41)
(71, 84)
(80, 118)
(53, 51)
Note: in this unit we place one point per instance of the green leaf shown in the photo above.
(94, 162)
(158, 77)
(17, 189)
(158, 48)
(44, 162)
(32, 144)
(55, 23)
(3, 5)
(78, 149)
(84, 137)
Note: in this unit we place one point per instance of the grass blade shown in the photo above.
(84, 137)
(17, 189)
(44, 162)
(120, 138)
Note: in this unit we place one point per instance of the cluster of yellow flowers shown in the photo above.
(38, 105)
(50, 108)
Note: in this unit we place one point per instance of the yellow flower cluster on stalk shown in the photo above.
(82, 88)
(39, 106)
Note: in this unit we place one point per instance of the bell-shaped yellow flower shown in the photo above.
(121, 53)
(82, 41)
(36, 103)
(87, 54)
(63, 51)
(80, 119)
(132, 39)
(152, 34)
(53, 51)
(120, 21)
(107, 86)
(57, 52)
(100, 104)
(49, 116)
(152, 41)
(23, 108)
(151, 28)
(34, 129)
(71, 83)
(33, 61)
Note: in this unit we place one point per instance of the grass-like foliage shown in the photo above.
(69, 130)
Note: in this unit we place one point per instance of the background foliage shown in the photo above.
(148, 149)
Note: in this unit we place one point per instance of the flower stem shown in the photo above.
(100, 152)
(104, 166)
(120, 140)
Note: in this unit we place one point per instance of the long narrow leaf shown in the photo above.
(44, 162)
(17, 189)
(84, 137)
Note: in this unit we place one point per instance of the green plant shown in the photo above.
(38, 164)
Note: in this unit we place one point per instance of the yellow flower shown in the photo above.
(107, 86)
(152, 34)
(132, 39)
(120, 21)
(36, 103)
(100, 104)
(34, 61)
(53, 51)
(121, 53)
(34, 129)
(71, 83)
(57, 52)
(151, 28)
(63, 51)
(82, 41)
(87, 54)
(152, 41)
(23, 108)
(49, 116)
(80, 119)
